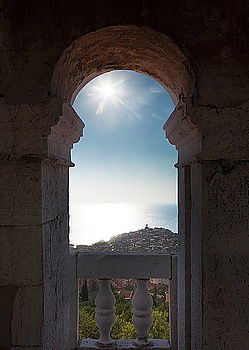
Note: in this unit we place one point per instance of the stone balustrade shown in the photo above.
(141, 267)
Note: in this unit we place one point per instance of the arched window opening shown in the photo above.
(123, 190)
(145, 51)
(124, 179)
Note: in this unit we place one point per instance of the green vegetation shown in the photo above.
(84, 292)
(123, 327)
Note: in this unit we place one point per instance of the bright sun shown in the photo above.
(106, 90)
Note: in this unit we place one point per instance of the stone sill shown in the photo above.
(156, 344)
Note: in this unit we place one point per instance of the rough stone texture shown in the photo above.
(21, 251)
(163, 60)
(20, 192)
(7, 294)
(65, 133)
(200, 51)
(19, 246)
(73, 303)
(124, 265)
(225, 254)
(26, 347)
(156, 344)
(173, 304)
(196, 256)
(26, 325)
(55, 255)
(32, 127)
(224, 131)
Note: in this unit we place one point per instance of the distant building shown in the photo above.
(127, 294)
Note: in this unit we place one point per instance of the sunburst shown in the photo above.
(107, 92)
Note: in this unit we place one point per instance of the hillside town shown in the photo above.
(158, 240)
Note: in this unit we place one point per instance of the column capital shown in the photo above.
(182, 132)
(65, 133)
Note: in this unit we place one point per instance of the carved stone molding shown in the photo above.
(65, 133)
(181, 132)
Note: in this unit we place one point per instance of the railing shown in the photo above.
(141, 267)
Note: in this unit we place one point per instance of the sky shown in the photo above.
(123, 156)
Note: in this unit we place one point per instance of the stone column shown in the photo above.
(55, 227)
(213, 226)
(33, 227)
(182, 133)
(224, 163)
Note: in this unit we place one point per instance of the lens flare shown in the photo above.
(107, 91)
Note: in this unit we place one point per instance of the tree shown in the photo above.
(123, 329)
(160, 325)
(87, 325)
(84, 291)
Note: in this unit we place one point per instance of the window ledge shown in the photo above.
(156, 344)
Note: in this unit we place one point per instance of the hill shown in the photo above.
(148, 239)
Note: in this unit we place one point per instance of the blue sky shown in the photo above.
(124, 155)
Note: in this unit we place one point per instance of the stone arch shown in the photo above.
(145, 51)
(123, 47)
(118, 48)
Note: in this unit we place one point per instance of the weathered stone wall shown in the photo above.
(23, 144)
(213, 36)
(55, 254)
(34, 189)
(225, 254)
(21, 252)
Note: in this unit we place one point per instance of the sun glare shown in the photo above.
(106, 90)
(116, 97)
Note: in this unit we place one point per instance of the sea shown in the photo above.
(93, 222)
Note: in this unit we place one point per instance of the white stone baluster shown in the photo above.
(105, 312)
(142, 312)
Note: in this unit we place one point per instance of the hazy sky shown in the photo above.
(124, 155)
